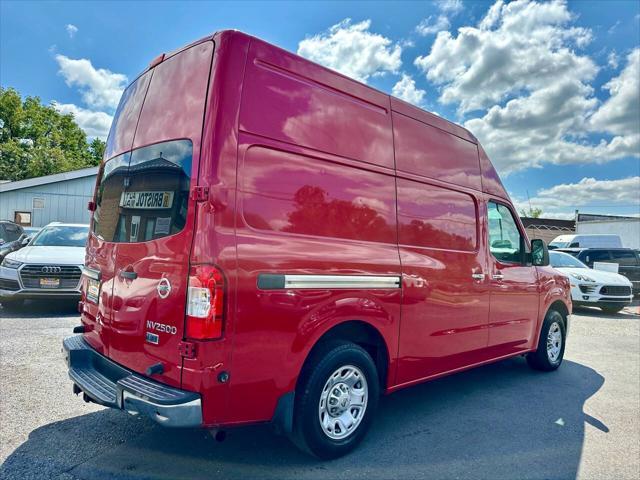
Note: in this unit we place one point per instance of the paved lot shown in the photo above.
(499, 421)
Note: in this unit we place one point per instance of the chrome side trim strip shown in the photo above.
(91, 273)
(278, 281)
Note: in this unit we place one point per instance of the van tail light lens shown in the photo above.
(205, 303)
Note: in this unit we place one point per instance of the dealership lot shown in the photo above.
(499, 421)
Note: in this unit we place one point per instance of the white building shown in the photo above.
(628, 228)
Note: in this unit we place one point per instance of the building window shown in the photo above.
(38, 203)
(22, 218)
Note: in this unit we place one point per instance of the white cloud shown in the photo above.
(613, 60)
(94, 124)
(71, 30)
(100, 88)
(563, 199)
(450, 6)
(432, 25)
(406, 89)
(620, 114)
(522, 69)
(353, 50)
(517, 46)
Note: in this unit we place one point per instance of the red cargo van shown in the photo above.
(273, 241)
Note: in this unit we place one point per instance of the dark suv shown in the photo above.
(11, 236)
(628, 260)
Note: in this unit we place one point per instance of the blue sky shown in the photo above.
(550, 88)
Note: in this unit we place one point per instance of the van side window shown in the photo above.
(505, 241)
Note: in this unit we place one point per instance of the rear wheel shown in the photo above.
(550, 352)
(336, 400)
(615, 309)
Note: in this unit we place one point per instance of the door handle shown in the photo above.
(477, 276)
(128, 274)
(497, 276)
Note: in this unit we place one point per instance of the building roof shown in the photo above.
(47, 179)
(552, 223)
(597, 217)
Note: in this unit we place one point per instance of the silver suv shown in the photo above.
(49, 266)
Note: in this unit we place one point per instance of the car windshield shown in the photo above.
(62, 236)
(564, 260)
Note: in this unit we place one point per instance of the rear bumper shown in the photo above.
(107, 383)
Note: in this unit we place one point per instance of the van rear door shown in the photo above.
(153, 217)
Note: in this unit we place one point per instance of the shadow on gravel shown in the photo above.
(629, 313)
(498, 421)
(41, 308)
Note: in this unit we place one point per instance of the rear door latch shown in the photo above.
(187, 349)
(200, 194)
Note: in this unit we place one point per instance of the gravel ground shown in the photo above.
(498, 421)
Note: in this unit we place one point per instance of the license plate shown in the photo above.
(93, 290)
(49, 282)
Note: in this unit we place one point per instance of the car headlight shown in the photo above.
(9, 263)
(581, 277)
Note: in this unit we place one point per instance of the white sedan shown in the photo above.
(594, 288)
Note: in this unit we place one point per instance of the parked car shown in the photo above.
(593, 240)
(11, 237)
(246, 263)
(49, 267)
(627, 259)
(609, 291)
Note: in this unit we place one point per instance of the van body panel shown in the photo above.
(491, 182)
(293, 100)
(445, 310)
(406, 109)
(431, 152)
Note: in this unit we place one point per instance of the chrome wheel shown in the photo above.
(554, 342)
(343, 402)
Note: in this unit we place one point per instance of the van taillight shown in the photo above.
(205, 302)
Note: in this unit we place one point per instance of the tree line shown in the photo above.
(37, 140)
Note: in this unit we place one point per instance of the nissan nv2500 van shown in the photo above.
(272, 241)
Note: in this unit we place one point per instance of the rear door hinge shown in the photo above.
(200, 194)
(187, 349)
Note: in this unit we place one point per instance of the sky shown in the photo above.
(551, 89)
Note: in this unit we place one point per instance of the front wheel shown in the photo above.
(550, 352)
(336, 400)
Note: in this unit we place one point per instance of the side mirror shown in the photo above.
(25, 241)
(539, 253)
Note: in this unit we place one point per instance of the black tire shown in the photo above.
(612, 309)
(308, 433)
(540, 359)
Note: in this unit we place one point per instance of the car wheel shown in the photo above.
(612, 309)
(336, 400)
(550, 352)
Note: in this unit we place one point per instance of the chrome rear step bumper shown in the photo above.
(109, 384)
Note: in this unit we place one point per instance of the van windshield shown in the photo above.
(143, 195)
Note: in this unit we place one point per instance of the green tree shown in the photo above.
(36, 139)
(531, 213)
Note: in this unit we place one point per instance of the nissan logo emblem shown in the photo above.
(164, 288)
(50, 269)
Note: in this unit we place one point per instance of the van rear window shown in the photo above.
(143, 195)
